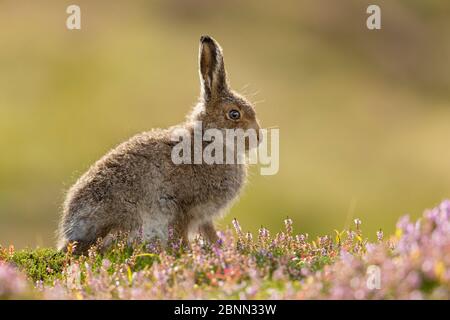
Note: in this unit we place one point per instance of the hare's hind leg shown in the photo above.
(180, 229)
(208, 231)
(84, 229)
(82, 239)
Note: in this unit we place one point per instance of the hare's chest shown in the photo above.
(225, 182)
(216, 194)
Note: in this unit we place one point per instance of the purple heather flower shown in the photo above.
(106, 264)
(171, 233)
(403, 223)
(288, 225)
(350, 235)
(445, 209)
(380, 235)
(263, 233)
(252, 290)
(413, 279)
(237, 226)
(11, 281)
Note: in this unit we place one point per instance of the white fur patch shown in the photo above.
(202, 214)
(155, 225)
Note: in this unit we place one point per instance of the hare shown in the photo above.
(137, 189)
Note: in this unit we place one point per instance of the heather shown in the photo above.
(414, 263)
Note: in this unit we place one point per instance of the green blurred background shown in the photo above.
(364, 116)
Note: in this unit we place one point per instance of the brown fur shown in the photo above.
(136, 188)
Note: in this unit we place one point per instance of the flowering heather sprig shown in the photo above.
(350, 235)
(413, 266)
(288, 226)
(237, 227)
(249, 240)
(380, 235)
(240, 242)
(71, 246)
(358, 226)
(264, 234)
(171, 233)
(11, 250)
(302, 238)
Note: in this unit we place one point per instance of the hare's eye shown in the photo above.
(234, 114)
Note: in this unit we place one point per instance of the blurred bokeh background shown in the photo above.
(364, 116)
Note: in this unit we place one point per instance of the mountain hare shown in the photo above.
(136, 188)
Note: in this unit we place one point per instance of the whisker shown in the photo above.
(245, 87)
(258, 101)
(254, 93)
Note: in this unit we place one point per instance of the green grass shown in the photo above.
(43, 264)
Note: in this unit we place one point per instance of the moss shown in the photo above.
(42, 264)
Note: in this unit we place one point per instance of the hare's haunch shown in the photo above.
(138, 189)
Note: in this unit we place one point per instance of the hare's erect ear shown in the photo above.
(213, 78)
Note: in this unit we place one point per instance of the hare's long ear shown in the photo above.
(213, 78)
